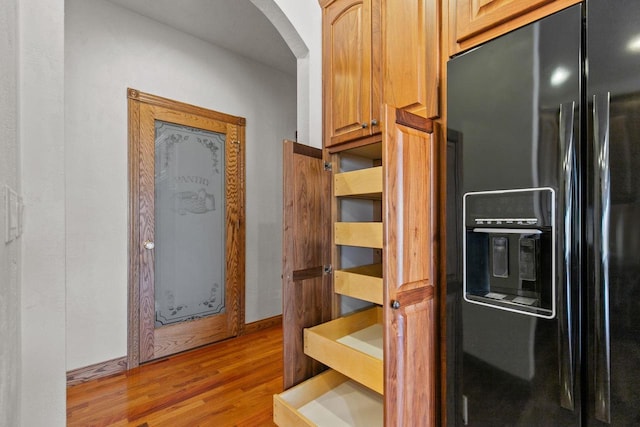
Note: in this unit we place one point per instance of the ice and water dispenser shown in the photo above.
(509, 250)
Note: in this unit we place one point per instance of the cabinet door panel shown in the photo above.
(347, 70)
(408, 215)
(306, 290)
(411, 54)
(475, 16)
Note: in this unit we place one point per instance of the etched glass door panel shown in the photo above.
(189, 223)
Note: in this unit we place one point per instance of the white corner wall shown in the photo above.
(42, 273)
(107, 50)
(306, 18)
(9, 252)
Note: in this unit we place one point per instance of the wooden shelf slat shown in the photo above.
(364, 282)
(359, 183)
(365, 234)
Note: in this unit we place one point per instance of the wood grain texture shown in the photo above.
(230, 383)
(321, 343)
(492, 23)
(364, 183)
(259, 325)
(307, 296)
(133, 297)
(364, 282)
(478, 15)
(364, 234)
(410, 50)
(97, 370)
(347, 70)
(147, 98)
(144, 341)
(146, 209)
(408, 210)
(355, 403)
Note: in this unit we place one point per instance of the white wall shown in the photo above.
(306, 18)
(42, 147)
(107, 50)
(41, 271)
(9, 253)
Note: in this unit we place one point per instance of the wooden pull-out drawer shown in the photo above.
(365, 183)
(364, 282)
(365, 234)
(352, 345)
(330, 400)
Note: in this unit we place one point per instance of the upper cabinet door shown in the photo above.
(473, 22)
(475, 16)
(411, 55)
(347, 72)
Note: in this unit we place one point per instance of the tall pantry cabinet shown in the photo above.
(380, 167)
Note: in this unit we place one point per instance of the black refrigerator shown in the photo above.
(543, 223)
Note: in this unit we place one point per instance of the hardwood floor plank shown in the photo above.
(230, 383)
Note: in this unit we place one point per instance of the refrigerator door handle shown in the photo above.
(602, 188)
(565, 319)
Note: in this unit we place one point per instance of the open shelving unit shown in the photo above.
(351, 391)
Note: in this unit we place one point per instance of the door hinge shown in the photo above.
(328, 166)
(327, 269)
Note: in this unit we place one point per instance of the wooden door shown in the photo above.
(350, 90)
(411, 55)
(306, 287)
(186, 226)
(410, 213)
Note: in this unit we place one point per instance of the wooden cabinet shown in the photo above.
(475, 21)
(411, 55)
(378, 52)
(351, 77)
(381, 358)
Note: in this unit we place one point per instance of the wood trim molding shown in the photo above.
(133, 332)
(414, 121)
(306, 150)
(98, 370)
(184, 107)
(262, 324)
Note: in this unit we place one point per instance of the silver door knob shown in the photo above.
(149, 244)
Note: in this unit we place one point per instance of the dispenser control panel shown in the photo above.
(509, 250)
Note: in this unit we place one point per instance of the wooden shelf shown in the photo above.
(365, 234)
(363, 183)
(364, 282)
(351, 345)
(329, 399)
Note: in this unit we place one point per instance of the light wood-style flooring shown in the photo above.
(225, 384)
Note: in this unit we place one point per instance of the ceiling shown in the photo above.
(236, 25)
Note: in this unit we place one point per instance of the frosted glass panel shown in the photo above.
(189, 223)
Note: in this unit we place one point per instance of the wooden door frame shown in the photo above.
(135, 98)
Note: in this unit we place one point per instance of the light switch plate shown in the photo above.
(12, 214)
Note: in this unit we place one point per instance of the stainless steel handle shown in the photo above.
(602, 189)
(565, 319)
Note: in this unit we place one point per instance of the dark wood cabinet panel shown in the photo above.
(306, 289)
